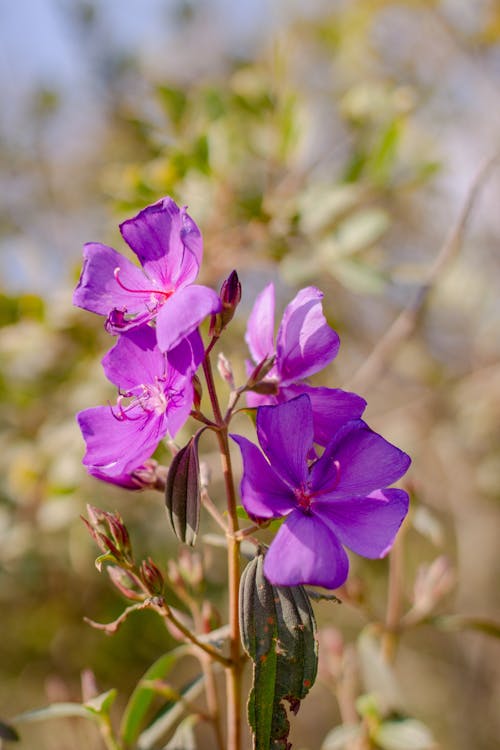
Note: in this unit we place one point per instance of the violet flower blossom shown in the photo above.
(169, 247)
(335, 500)
(305, 343)
(155, 399)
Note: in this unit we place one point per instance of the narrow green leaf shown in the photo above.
(57, 711)
(142, 697)
(279, 634)
(165, 725)
(182, 492)
(102, 703)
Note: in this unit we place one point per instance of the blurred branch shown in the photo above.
(406, 322)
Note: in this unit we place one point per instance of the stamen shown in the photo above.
(116, 274)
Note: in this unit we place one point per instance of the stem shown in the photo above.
(164, 610)
(234, 668)
(393, 611)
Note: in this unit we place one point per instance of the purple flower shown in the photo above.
(335, 500)
(155, 399)
(168, 245)
(304, 345)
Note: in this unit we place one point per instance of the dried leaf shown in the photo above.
(279, 634)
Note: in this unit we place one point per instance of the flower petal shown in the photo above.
(332, 408)
(285, 433)
(303, 551)
(263, 493)
(187, 356)
(183, 312)
(135, 359)
(167, 242)
(357, 461)
(367, 525)
(118, 446)
(98, 289)
(305, 342)
(260, 328)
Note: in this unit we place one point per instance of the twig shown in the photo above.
(406, 322)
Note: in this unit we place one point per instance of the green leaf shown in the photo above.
(182, 492)
(165, 725)
(142, 697)
(57, 711)
(102, 703)
(342, 737)
(279, 634)
(407, 734)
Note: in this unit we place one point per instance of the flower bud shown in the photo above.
(110, 533)
(190, 567)
(260, 371)
(197, 392)
(152, 577)
(124, 582)
(225, 370)
(230, 296)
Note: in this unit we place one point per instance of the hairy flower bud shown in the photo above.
(225, 370)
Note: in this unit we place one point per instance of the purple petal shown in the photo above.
(332, 408)
(303, 551)
(98, 289)
(305, 342)
(167, 242)
(285, 433)
(187, 356)
(364, 462)
(367, 525)
(260, 328)
(263, 493)
(118, 446)
(255, 400)
(125, 480)
(183, 312)
(135, 359)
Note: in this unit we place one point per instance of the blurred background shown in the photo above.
(332, 143)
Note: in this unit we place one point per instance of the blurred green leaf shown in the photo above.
(142, 697)
(57, 711)
(164, 726)
(461, 622)
(407, 734)
(102, 703)
(341, 738)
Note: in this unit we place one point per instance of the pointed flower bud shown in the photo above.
(110, 533)
(230, 297)
(152, 577)
(260, 371)
(197, 392)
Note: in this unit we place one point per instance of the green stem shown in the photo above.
(234, 669)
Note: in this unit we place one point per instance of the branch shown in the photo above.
(407, 320)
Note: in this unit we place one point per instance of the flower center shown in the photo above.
(304, 497)
(151, 398)
(157, 296)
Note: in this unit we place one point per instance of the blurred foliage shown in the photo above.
(313, 159)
